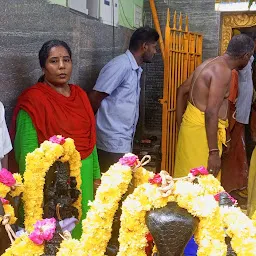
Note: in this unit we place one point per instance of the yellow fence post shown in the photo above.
(157, 25)
(164, 101)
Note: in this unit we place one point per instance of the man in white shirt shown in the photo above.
(5, 141)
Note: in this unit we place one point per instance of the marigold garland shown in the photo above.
(142, 176)
(4, 190)
(13, 191)
(97, 226)
(70, 247)
(211, 241)
(240, 229)
(198, 198)
(37, 164)
(19, 187)
(132, 236)
(193, 197)
(25, 247)
(9, 210)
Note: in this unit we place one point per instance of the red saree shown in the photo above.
(54, 114)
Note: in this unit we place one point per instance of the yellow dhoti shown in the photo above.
(192, 148)
(251, 207)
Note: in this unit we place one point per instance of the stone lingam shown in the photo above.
(59, 194)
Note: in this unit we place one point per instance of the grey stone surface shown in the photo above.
(202, 19)
(26, 24)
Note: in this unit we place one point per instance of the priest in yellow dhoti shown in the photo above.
(202, 109)
(192, 148)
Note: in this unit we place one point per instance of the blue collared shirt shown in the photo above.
(118, 114)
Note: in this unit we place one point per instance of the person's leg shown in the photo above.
(106, 159)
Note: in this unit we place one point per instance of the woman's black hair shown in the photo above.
(45, 50)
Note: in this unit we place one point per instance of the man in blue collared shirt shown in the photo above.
(115, 97)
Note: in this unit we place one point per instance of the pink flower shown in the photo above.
(57, 139)
(217, 197)
(4, 201)
(36, 237)
(199, 171)
(6, 178)
(157, 179)
(44, 231)
(130, 160)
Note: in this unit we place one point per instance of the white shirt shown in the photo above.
(5, 141)
(245, 92)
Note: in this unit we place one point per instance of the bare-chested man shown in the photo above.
(202, 108)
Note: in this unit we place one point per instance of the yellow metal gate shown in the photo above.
(182, 54)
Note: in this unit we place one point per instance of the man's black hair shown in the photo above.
(143, 35)
(240, 45)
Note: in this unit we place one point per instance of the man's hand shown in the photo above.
(227, 148)
(96, 98)
(214, 163)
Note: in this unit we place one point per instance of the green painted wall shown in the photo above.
(60, 2)
(126, 12)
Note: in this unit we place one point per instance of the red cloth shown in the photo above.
(234, 168)
(54, 114)
(233, 91)
(234, 173)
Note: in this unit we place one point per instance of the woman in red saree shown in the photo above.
(53, 106)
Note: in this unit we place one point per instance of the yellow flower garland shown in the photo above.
(16, 191)
(9, 210)
(193, 197)
(241, 230)
(4, 190)
(132, 237)
(211, 241)
(25, 247)
(70, 247)
(37, 164)
(196, 198)
(141, 176)
(19, 187)
(97, 226)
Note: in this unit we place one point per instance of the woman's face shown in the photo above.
(58, 66)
